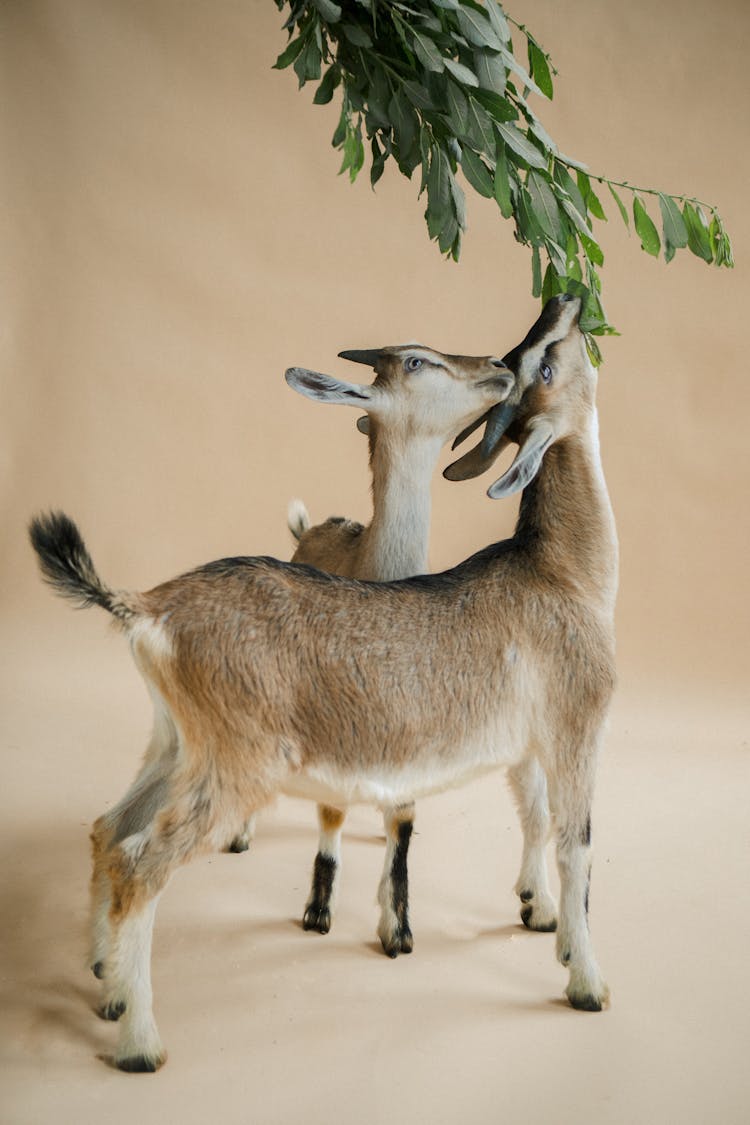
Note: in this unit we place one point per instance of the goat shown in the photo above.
(269, 676)
(418, 401)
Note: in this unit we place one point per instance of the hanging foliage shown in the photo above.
(437, 87)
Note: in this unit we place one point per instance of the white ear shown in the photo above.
(527, 461)
(324, 388)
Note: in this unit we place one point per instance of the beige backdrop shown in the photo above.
(174, 236)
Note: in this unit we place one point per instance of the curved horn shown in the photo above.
(483, 455)
(474, 463)
(527, 461)
(368, 356)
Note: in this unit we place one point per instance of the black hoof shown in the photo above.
(527, 917)
(587, 1003)
(98, 970)
(400, 942)
(317, 918)
(238, 846)
(139, 1064)
(113, 1010)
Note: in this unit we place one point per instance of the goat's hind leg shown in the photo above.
(244, 838)
(528, 783)
(393, 894)
(322, 898)
(131, 815)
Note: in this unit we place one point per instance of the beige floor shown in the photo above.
(267, 1023)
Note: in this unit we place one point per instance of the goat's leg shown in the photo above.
(393, 893)
(322, 898)
(528, 783)
(139, 868)
(244, 838)
(571, 796)
(100, 899)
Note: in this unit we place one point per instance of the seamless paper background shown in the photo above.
(174, 236)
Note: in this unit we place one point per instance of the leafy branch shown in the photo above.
(437, 86)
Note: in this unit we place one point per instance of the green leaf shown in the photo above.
(550, 285)
(673, 226)
(536, 273)
(520, 145)
(592, 249)
(570, 187)
(501, 184)
(479, 130)
(427, 52)
(498, 21)
(513, 64)
(289, 54)
(697, 229)
(379, 157)
(458, 108)
(307, 63)
(645, 228)
(500, 108)
(340, 134)
(490, 70)
(544, 203)
(540, 69)
(528, 229)
(461, 72)
(438, 193)
(356, 35)
(593, 203)
(328, 10)
(459, 201)
(621, 205)
(477, 173)
(324, 92)
(405, 126)
(477, 28)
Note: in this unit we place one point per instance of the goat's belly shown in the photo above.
(384, 787)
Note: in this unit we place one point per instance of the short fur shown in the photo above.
(271, 677)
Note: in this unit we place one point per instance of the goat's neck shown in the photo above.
(396, 542)
(566, 520)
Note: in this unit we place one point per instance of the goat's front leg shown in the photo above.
(572, 812)
(393, 894)
(321, 901)
(528, 783)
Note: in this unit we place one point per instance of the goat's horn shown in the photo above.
(469, 430)
(499, 418)
(367, 356)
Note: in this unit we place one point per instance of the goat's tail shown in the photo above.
(297, 518)
(67, 566)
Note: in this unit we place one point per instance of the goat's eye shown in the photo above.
(545, 371)
(413, 363)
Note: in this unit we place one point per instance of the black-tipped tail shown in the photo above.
(67, 566)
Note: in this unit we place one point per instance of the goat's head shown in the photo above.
(417, 391)
(554, 394)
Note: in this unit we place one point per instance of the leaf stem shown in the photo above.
(636, 189)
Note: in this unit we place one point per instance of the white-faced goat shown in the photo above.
(271, 677)
(418, 401)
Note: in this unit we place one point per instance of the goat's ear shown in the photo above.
(363, 424)
(527, 462)
(324, 388)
